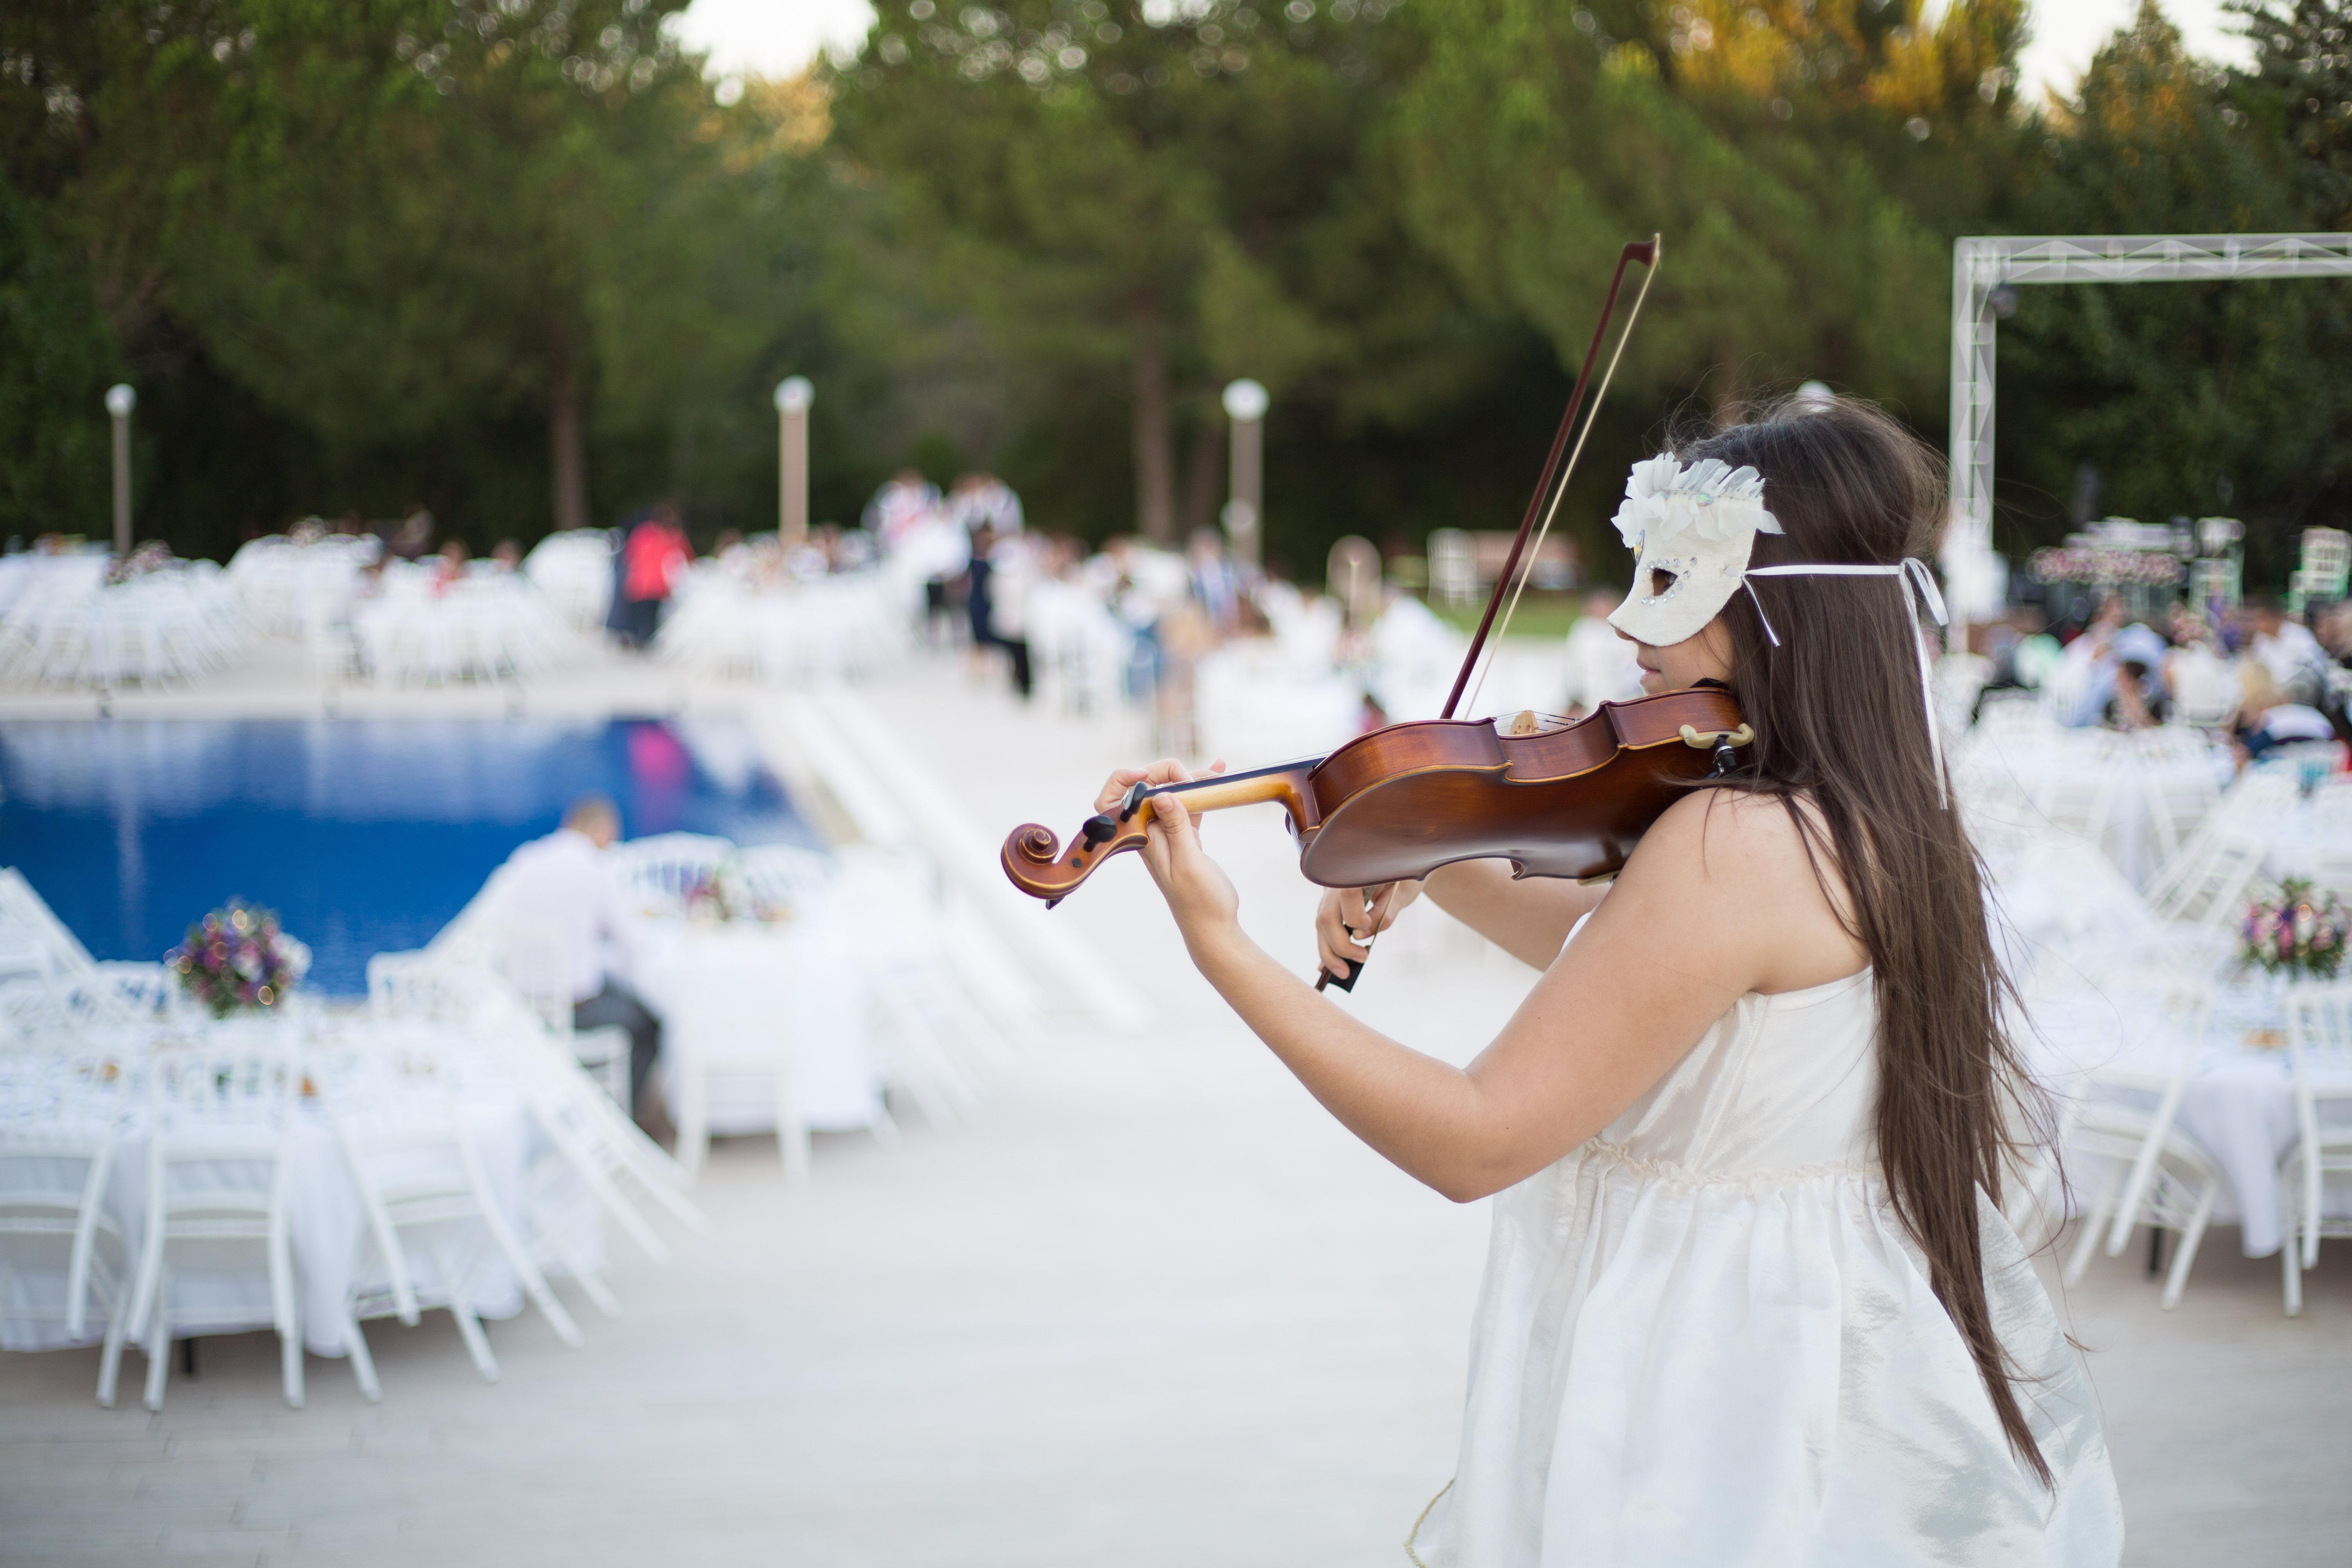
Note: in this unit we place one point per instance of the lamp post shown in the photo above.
(1245, 403)
(119, 400)
(794, 396)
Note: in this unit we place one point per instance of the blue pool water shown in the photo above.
(366, 836)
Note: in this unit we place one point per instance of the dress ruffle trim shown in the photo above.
(1599, 1151)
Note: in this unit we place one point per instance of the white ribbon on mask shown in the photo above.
(1917, 582)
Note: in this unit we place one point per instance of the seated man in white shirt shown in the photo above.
(2288, 650)
(567, 930)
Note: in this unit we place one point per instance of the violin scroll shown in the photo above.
(1038, 865)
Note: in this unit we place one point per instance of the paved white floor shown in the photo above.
(1151, 1307)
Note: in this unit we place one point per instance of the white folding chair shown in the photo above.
(29, 925)
(422, 1184)
(2319, 1053)
(2208, 880)
(730, 1024)
(2179, 792)
(591, 1146)
(218, 1184)
(59, 1117)
(591, 1137)
(540, 965)
(2155, 1174)
(2078, 801)
(2034, 1192)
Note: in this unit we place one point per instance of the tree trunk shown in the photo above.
(1205, 475)
(1155, 454)
(566, 458)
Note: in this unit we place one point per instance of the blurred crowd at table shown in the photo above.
(1198, 633)
(2266, 675)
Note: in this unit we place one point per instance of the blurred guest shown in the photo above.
(906, 501)
(2139, 703)
(2267, 719)
(412, 540)
(656, 555)
(2203, 685)
(2332, 626)
(980, 498)
(1216, 584)
(2038, 652)
(2085, 681)
(918, 529)
(506, 555)
(2288, 650)
(979, 580)
(449, 564)
(1600, 664)
(1012, 578)
(822, 552)
(561, 903)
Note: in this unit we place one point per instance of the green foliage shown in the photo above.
(55, 443)
(1069, 209)
(2189, 399)
(2301, 87)
(392, 238)
(511, 256)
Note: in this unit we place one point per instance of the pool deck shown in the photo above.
(1150, 1307)
(276, 680)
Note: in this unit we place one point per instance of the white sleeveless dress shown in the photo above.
(1703, 1338)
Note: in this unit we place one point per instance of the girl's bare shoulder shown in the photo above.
(1732, 868)
(1721, 833)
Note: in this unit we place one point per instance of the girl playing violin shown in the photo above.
(1749, 1299)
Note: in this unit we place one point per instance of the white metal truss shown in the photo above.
(1982, 264)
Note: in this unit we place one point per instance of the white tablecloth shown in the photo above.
(2239, 1105)
(2300, 840)
(2149, 790)
(327, 1224)
(727, 990)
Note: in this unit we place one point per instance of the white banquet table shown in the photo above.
(327, 1224)
(2139, 795)
(2239, 1104)
(720, 986)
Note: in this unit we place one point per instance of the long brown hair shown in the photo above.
(1840, 723)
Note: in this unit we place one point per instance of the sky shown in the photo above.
(779, 38)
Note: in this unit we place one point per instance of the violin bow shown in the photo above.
(1560, 467)
(1555, 474)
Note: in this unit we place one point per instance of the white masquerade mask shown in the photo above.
(1693, 529)
(1696, 528)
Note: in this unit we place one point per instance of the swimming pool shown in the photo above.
(366, 836)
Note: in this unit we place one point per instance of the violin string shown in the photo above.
(1495, 644)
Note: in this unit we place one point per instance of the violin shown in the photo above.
(1397, 802)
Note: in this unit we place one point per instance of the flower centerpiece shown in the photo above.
(724, 895)
(2299, 935)
(236, 959)
(150, 557)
